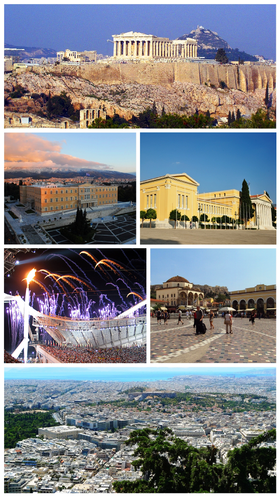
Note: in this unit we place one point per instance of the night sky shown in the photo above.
(130, 277)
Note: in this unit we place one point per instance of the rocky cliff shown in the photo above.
(128, 89)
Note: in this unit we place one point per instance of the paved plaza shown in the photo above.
(172, 343)
(158, 236)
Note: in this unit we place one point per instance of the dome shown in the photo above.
(177, 279)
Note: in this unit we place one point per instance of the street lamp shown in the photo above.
(29, 278)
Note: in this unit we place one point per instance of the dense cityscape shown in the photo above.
(86, 450)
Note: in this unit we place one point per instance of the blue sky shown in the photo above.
(235, 268)
(217, 161)
(122, 373)
(250, 28)
(58, 151)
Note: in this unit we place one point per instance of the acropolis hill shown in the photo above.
(128, 88)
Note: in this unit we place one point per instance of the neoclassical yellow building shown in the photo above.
(261, 297)
(179, 191)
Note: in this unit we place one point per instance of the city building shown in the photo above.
(261, 297)
(47, 198)
(74, 56)
(141, 46)
(179, 291)
(179, 191)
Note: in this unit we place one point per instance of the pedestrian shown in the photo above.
(228, 322)
(194, 319)
(252, 318)
(198, 320)
(158, 317)
(211, 319)
(180, 317)
(165, 317)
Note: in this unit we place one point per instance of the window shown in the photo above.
(155, 200)
(46, 200)
(46, 208)
(61, 200)
(51, 200)
(56, 199)
(51, 208)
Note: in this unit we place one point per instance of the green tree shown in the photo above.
(246, 210)
(221, 56)
(204, 218)
(143, 216)
(175, 215)
(61, 105)
(170, 465)
(151, 214)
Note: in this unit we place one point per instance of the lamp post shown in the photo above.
(29, 278)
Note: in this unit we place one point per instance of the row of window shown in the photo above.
(213, 209)
(151, 201)
(83, 190)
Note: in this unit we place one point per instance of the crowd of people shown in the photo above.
(132, 354)
(198, 316)
(8, 358)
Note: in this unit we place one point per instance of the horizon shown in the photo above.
(239, 25)
(127, 373)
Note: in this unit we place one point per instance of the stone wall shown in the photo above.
(244, 77)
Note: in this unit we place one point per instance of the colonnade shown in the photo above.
(137, 45)
(263, 214)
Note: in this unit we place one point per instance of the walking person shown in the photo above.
(198, 320)
(165, 317)
(180, 317)
(252, 318)
(194, 319)
(159, 317)
(211, 319)
(228, 322)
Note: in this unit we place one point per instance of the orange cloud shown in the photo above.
(28, 151)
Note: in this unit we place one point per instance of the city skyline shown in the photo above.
(127, 373)
(60, 152)
(236, 269)
(217, 161)
(239, 25)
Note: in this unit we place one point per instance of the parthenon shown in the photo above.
(133, 45)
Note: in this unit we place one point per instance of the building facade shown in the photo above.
(140, 46)
(179, 291)
(261, 297)
(74, 56)
(55, 197)
(180, 191)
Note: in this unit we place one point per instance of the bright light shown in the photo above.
(30, 275)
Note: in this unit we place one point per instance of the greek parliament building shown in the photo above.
(56, 197)
(179, 191)
(179, 291)
(261, 297)
(133, 45)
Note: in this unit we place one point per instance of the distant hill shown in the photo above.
(208, 43)
(33, 52)
(46, 174)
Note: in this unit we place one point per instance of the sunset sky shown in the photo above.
(70, 151)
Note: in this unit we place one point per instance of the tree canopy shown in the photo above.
(246, 208)
(170, 465)
(221, 56)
